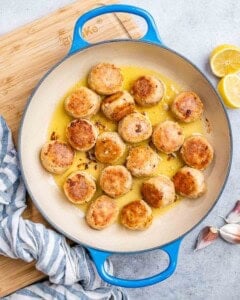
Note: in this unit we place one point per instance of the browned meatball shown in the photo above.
(147, 90)
(82, 103)
(197, 152)
(56, 156)
(115, 181)
(135, 128)
(136, 215)
(105, 79)
(82, 134)
(168, 137)
(187, 107)
(118, 105)
(158, 191)
(79, 187)
(142, 161)
(109, 147)
(102, 212)
(189, 182)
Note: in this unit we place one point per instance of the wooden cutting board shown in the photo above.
(25, 56)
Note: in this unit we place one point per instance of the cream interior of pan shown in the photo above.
(50, 200)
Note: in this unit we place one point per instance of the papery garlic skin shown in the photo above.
(234, 215)
(206, 237)
(230, 233)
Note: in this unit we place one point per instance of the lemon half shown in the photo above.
(229, 89)
(225, 59)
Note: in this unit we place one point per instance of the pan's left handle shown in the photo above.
(79, 42)
(99, 258)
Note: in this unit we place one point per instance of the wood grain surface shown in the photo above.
(26, 54)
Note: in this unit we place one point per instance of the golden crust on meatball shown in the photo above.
(197, 152)
(82, 134)
(142, 161)
(82, 103)
(102, 212)
(135, 128)
(158, 191)
(115, 181)
(56, 156)
(147, 90)
(187, 107)
(109, 147)
(189, 182)
(118, 105)
(105, 79)
(136, 215)
(168, 137)
(79, 187)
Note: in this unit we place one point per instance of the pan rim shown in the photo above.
(61, 231)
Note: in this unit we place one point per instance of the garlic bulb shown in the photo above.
(234, 215)
(206, 237)
(231, 233)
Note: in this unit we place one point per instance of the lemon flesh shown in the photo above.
(225, 59)
(229, 89)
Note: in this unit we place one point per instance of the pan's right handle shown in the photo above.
(151, 35)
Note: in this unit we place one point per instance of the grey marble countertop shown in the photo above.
(192, 28)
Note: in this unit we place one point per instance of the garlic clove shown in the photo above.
(206, 237)
(231, 233)
(234, 215)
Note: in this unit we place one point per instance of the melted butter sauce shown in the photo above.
(158, 113)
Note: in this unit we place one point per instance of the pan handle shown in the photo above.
(79, 42)
(99, 257)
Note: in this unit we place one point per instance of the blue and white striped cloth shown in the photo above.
(72, 275)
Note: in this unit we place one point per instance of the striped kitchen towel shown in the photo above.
(72, 275)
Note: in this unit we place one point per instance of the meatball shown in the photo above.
(115, 181)
(187, 107)
(135, 128)
(118, 105)
(109, 147)
(168, 137)
(147, 90)
(82, 134)
(189, 182)
(79, 187)
(136, 215)
(158, 191)
(56, 156)
(197, 152)
(142, 161)
(102, 212)
(105, 79)
(82, 103)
